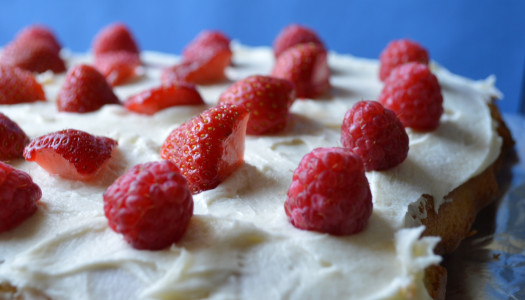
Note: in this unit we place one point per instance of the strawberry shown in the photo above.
(118, 67)
(39, 32)
(204, 40)
(150, 205)
(150, 101)
(208, 68)
(35, 55)
(19, 197)
(13, 139)
(209, 147)
(204, 60)
(306, 66)
(71, 153)
(268, 100)
(84, 90)
(114, 37)
(19, 86)
(292, 35)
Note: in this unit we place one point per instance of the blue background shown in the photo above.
(471, 38)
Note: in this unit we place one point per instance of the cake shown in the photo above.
(240, 243)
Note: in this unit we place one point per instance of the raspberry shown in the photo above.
(151, 205)
(400, 52)
(329, 193)
(375, 134)
(18, 197)
(414, 94)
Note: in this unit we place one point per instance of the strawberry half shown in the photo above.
(159, 98)
(71, 153)
(204, 60)
(84, 90)
(305, 65)
(292, 35)
(118, 67)
(209, 147)
(205, 39)
(19, 86)
(13, 139)
(209, 68)
(114, 37)
(268, 100)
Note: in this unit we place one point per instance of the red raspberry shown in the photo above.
(375, 134)
(414, 94)
(400, 52)
(13, 139)
(329, 193)
(151, 205)
(18, 197)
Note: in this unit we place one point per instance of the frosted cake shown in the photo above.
(240, 243)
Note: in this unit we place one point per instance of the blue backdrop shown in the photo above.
(471, 38)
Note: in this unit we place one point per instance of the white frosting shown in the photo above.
(239, 244)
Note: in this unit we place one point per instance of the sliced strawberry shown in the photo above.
(292, 35)
(209, 68)
(159, 98)
(35, 55)
(84, 90)
(306, 66)
(114, 37)
(118, 67)
(210, 147)
(19, 86)
(205, 39)
(268, 100)
(40, 32)
(71, 153)
(13, 139)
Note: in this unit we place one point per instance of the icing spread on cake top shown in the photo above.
(239, 244)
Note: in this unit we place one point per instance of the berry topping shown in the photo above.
(292, 35)
(118, 67)
(204, 60)
(19, 86)
(159, 98)
(209, 68)
(399, 52)
(205, 40)
(18, 197)
(414, 94)
(306, 66)
(35, 49)
(268, 100)
(40, 32)
(375, 134)
(329, 193)
(71, 153)
(13, 139)
(85, 90)
(209, 147)
(114, 37)
(150, 205)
